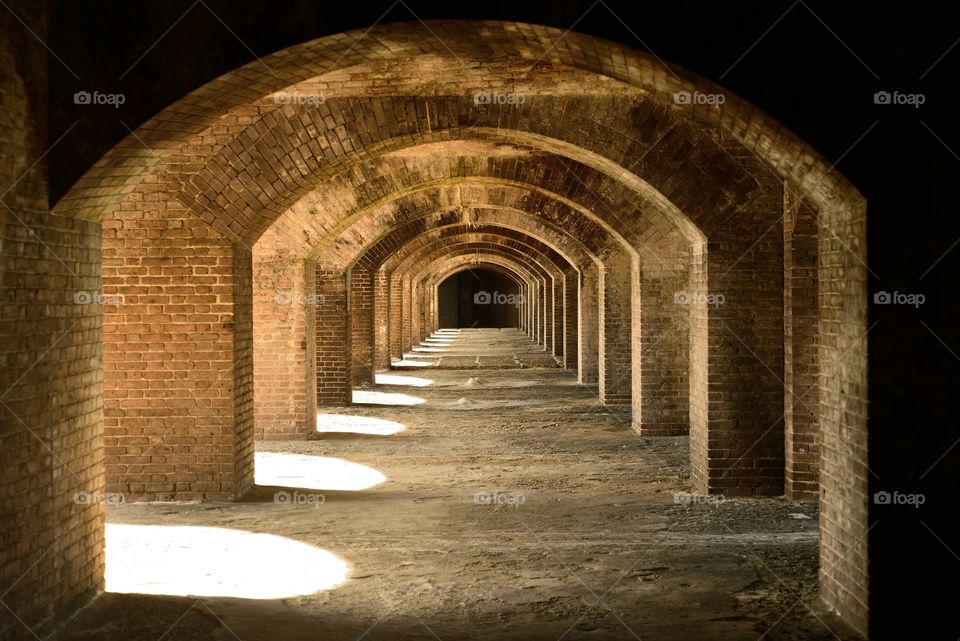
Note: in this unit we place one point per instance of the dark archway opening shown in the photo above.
(478, 298)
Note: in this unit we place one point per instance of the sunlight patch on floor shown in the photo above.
(357, 424)
(313, 472)
(399, 379)
(409, 362)
(215, 562)
(371, 397)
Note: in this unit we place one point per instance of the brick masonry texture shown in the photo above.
(51, 409)
(800, 373)
(602, 198)
(283, 341)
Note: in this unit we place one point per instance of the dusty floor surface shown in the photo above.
(514, 507)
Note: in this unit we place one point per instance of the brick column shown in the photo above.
(51, 382)
(381, 321)
(557, 338)
(284, 345)
(521, 308)
(842, 357)
(333, 338)
(615, 361)
(589, 324)
(362, 334)
(801, 365)
(571, 335)
(548, 315)
(416, 314)
(538, 314)
(525, 309)
(662, 297)
(395, 319)
(178, 361)
(742, 450)
(423, 329)
(434, 310)
(407, 327)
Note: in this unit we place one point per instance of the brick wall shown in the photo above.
(177, 354)
(589, 326)
(51, 514)
(571, 338)
(395, 319)
(283, 342)
(381, 322)
(406, 331)
(242, 429)
(661, 329)
(699, 358)
(333, 337)
(615, 361)
(557, 338)
(745, 339)
(801, 372)
(177, 351)
(842, 358)
(362, 332)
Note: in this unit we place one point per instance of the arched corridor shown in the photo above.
(506, 502)
(453, 329)
(478, 298)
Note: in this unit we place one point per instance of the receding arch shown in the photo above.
(139, 188)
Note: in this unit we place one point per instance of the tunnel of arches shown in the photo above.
(696, 263)
(478, 298)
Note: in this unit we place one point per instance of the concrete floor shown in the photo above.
(511, 506)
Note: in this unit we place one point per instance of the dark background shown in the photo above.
(800, 72)
(458, 307)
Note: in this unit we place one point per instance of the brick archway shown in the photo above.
(708, 182)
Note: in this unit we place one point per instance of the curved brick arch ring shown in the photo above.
(504, 264)
(436, 279)
(469, 254)
(467, 258)
(541, 305)
(387, 186)
(190, 146)
(372, 252)
(227, 101)
(546, 270)
(368, 285)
